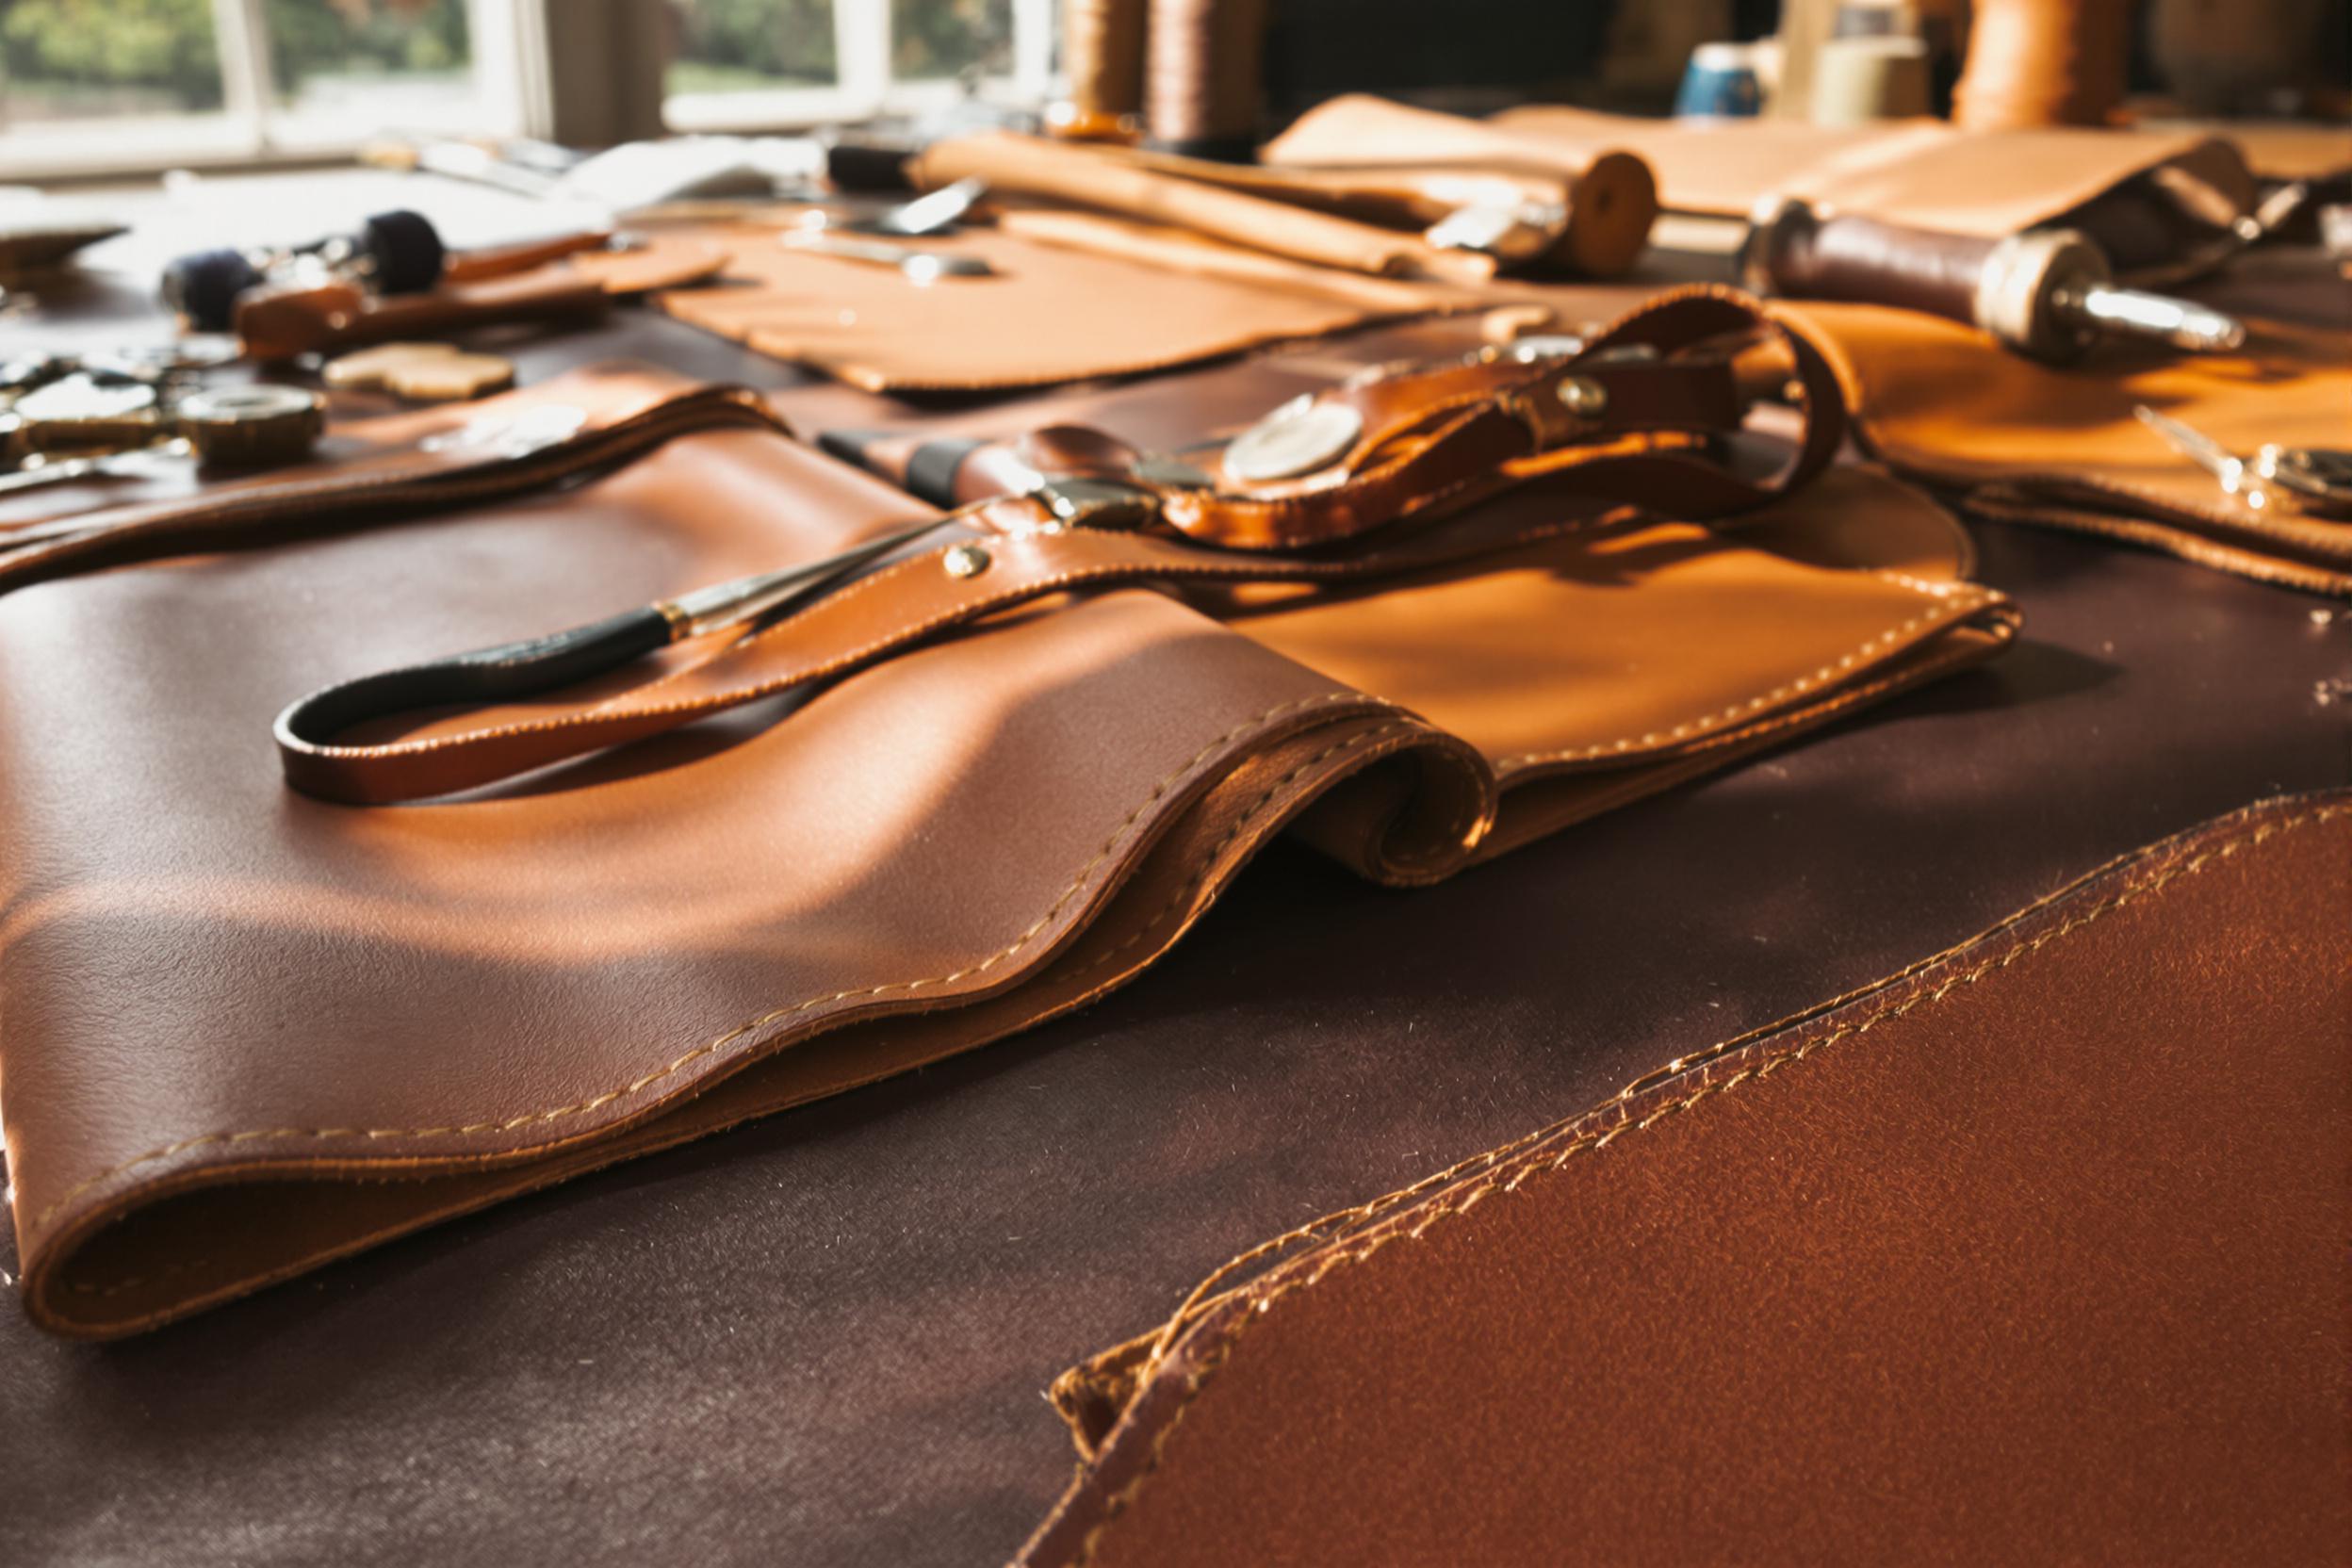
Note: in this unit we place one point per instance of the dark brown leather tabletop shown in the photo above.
(824, 1338)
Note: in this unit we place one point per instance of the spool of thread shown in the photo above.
(1103, 52)
(1860, 78)
(1722, 82)
(2043, 62)
(1204, 76)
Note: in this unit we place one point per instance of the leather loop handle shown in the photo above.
(1434, 437)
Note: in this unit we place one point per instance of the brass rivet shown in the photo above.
(1584, 398)
(965, 560)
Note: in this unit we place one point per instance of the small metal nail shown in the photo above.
(965, 560)
(1583, 397)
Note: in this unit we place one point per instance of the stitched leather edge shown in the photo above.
(1252, 1302)
(727, 1038)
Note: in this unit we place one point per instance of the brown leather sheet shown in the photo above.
(2039, 1242)
(824, 1336)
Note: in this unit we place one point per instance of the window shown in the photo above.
(87, 86)
(760, 64)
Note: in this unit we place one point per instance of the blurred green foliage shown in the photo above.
(786, 40)
(166, 48)
(944, 38)
(162, 54)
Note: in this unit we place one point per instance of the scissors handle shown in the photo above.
(506, 672)
(512, 671)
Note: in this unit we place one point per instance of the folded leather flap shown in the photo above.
(208, 978)
(2038, 1241)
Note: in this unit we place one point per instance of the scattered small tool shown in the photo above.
(2045, 293)
(921, 267)
(249, 427)
(2312, 478)
(393, 253)
(932, 214)
(430, 372)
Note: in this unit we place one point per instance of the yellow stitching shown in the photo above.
(1259, 1304)
(1953, 607)
(562, 1112)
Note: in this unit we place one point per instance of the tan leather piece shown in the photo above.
(496, 993)
(1109, 314)
(1072, 173)
(2060, 447)
(2035, 1247)
(1611, 203)
(1922, 173)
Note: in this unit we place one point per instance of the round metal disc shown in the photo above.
(252, 424)
(1297, 438)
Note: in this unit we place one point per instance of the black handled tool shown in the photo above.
(393, 253)
(512, 671)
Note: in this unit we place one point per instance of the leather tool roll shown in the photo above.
(1032, 166)
(799, 894)
(2007, 1243)
(2158, 204)
(2033, 444)
(1348, 218)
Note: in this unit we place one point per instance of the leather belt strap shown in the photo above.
(1429, 437)
(1463, 438)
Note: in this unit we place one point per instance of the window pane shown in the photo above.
(750, 45)
(931, 39)
(348, 68)
(87, 59)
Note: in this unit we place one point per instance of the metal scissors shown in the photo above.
(2317, 479)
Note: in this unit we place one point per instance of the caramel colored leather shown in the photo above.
(2033, 1251)
(2059, 447)
(1051, 313)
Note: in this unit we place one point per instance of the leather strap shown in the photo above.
(909, 603)
(1430, 437)
(437, 471)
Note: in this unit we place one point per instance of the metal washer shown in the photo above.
(1300, 436)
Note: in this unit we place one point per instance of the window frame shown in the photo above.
(516, 88)
(865, 87)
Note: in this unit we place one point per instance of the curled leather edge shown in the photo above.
(128, 1249)
(1121, 1404)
